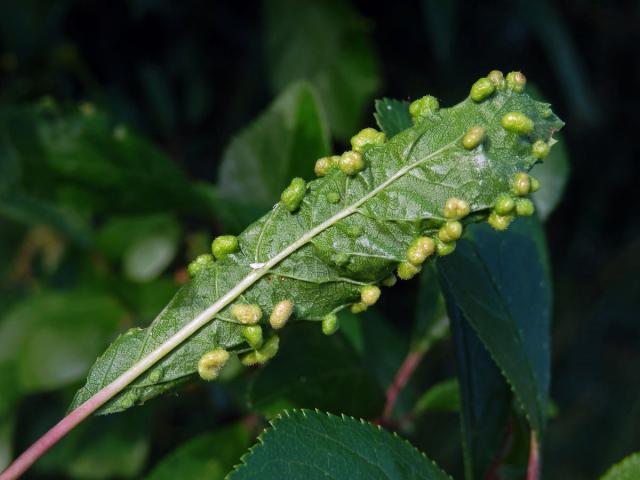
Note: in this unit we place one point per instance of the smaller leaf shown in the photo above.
(209, 456)
(627, 469)
(392, 116)
(317, 446)
(441, 397)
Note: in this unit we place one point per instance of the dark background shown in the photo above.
(584, 56)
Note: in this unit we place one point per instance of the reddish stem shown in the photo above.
(533, 470)
(403, 375)
(502, 453)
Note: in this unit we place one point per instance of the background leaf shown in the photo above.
(320, 445)
(392, 116)
(627, 469)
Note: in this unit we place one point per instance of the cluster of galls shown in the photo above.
(220, 248)
(509, 204)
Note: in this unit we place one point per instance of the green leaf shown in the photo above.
(209, 456)
(321, 255)
(313, 371)
(502, 285)
(441, 397)
(392, 116)
(327, 44)
(52, 338)
(283, 142)
(627, 469)
(485, 397)
(315, 445)
(6, 441)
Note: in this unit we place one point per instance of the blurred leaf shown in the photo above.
(501, 284)
(484, 396)
(147, 258)
(326, 43)
(440, 23)
(441, 397)
(52, 338)
(315, 371)
(431, 322)
(10, 168)
(627, 469)
(282, 143)
(158, 96)
(147, 298)
(317, 446)
(207, 457)
(553, 174)
(392, 116)
(6, 440)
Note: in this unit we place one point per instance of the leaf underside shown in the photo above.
(317, 446)
(398, 196)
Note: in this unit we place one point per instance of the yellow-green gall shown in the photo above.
(516, 81)
(266, 353)
(473, 137)
(456, 208)
(253, 335)
(224, 245)
(482, 89)
(292, 195)
(280, 314)
(517, 122)
(524, 207)
(521, 184)
(535, 184)
(246, 313)
(450, 231)
(444, 248)
(358, 307)
(333, 197)
(420, 249)
(422, 107)
(540, 149)
(324, 164)
(407, 270)
(211, 363)
(366, 138)
(504, 204)
(351, 162)
(330, 324)
(499, 222)
(200, 263)
(497, 78)
(369, 294)
(389, 281)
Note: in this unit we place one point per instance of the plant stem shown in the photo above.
(533, 470)
(403, 375)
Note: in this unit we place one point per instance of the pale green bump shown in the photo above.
(280, 314)
(200, 263)
(516, 81)
(224, 245)
(324, 164)
(483, 88)
(246, 313)
(535, 184)
(423, 107)
(253, 335)
(358, 307)
(504, 204)
(499, 222)
(497, 78)
(444, 248)
(517, 122)
(407, 270)
(521, 184)
(330, 324)
(262, 356)
(355, 230)
(546, 113)
(333, 197)
(369, 295)
(389, 281)
(351, 162)
(473, 137)
(524, 207)
(456, 208)
(293, 194)
(365, 138)
(420, 249)
(211, 363)
(340, 258)
(155, 376)
(450, 231)
(540, 149)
